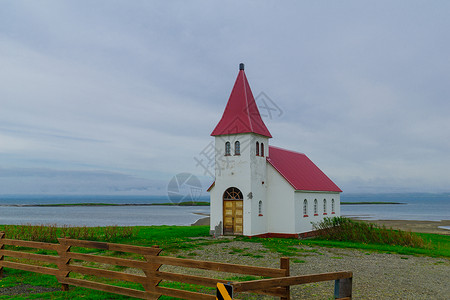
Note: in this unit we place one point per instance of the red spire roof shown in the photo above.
(241, 114)
(300, 171)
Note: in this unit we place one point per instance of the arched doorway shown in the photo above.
(233, 207)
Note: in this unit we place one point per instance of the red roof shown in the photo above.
(300, 171)
(211, 186)
(241, 114)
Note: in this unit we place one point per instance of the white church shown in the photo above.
(262, 190)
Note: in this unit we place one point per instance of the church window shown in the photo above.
(237, 148)
(332, 206)
(315, 207)
(324, 206)
(260, 208)
(262, 149)
(257, 149)
(232, 193)
(305, 208)
(227, 148)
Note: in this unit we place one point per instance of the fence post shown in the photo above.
(343, 288)
(150, 271)
(63, 262)
(2, 246)
(284, 264)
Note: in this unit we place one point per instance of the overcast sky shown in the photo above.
(119, 96)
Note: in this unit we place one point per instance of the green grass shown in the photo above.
(173, 239)
(188, 203)
(438, 246)
(51, 233)
(17, 277)
(167, 237)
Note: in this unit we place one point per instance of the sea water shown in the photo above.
(425, 207)
(17, 210)
(415, 206)
(103, 215)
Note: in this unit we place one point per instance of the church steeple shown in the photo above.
(241, 115)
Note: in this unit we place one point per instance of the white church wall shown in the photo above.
(215, 211)
(258, 184)
(303, 222)
(280, 204)
(337, 205)
(231, 171)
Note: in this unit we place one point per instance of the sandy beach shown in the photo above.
(406, 225)
(415, 226)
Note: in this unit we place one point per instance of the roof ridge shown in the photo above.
(247, 105)
(292, 151)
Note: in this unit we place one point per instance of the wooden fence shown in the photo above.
(68, 261)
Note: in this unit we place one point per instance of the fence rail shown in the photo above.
(66, 259)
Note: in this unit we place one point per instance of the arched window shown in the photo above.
(237, 148)
(232, 193)
(262, 149)
(305, 208)
(332, 206)
(260, 208)
(315, 207)
(227, 148)
(257, 149)
(324, 206)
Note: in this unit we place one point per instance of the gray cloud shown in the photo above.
(136, 88)
(48, 181)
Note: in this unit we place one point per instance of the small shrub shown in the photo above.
(345, 229)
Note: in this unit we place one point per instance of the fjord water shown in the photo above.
(415, 206)
(102, 215)
(426, 207)
(17, 210)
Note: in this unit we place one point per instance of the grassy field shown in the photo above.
(181, 241)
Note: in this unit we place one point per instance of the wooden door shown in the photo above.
(233, 219)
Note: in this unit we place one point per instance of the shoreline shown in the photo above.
(202, 221)
(372, 203)
(421, 226)
(405, 225)
(195, 203)
(413, 225)
(107, 204)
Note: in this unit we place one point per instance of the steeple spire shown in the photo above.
(241, 115)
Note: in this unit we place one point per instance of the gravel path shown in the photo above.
(375, 275)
